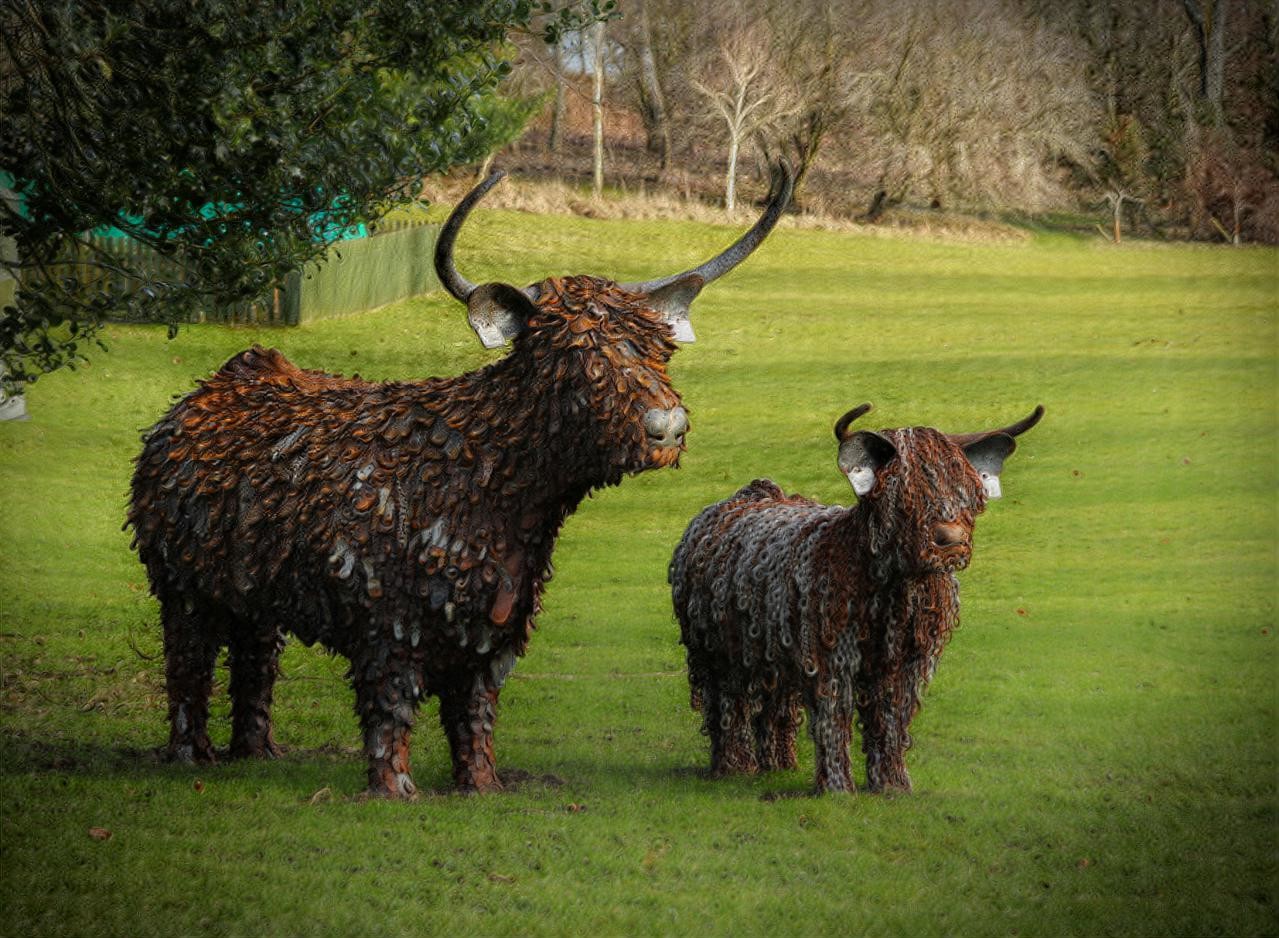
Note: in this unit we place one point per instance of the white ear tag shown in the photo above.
(490, 335)
(683, 329)
(863, 479)
(991, 484)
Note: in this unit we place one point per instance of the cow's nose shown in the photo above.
(950, 535)
(666, 428)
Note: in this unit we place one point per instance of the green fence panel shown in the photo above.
(359, 275)
(366, 274)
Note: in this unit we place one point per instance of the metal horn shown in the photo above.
(1013, 429)
(455, 283)
(782, 183)
(841, 426)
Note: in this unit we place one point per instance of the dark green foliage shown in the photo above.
(504, 118)
(235, 137)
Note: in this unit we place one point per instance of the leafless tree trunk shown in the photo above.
(652, 101)
(597, 107)
(898, 104)
(816, 44)
(557, 102)
(1209, 26)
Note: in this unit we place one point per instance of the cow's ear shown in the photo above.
(987, 456)
(862, 456)
(498, 312)
(673, 301)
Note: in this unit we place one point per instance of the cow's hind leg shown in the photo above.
(736, 749)
(775, 730)
(255, 664)
(468, 710)
(191, 643)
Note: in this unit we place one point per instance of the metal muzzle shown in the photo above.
(666, 428)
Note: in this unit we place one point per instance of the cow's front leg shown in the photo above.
(386, 695)
(884, 718)
(468, 709)
(831, 727)
(190, 651)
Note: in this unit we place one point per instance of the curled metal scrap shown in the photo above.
(786, 604)
(407, 525)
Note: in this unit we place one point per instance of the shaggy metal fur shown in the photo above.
(787, 605)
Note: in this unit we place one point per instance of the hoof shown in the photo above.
(893, 790)
(393, 786)
(191, 754)
(484, 788)
(836, 787)
(890, 789)
(729, 771)
(778, 765)
(267, 750)
(384, 794)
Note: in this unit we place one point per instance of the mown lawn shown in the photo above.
(1097, 754)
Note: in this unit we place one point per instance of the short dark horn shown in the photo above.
(841, 425)
(782, 184)
(1013, 429)
(455, 283)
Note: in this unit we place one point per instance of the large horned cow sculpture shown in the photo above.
(405, 525)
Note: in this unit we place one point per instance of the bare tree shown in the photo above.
(597, 107)
(1208, 21)
(557, 99)
(541, 71)
(652, 99)
(978, 102)
(740, 86)
(665, 44)
(820, 46)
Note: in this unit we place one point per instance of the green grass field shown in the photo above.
(1097, 754)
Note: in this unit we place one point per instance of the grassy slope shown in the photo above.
(1096, 755)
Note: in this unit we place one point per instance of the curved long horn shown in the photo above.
(455, 283)
(1013, 429)
(782, 183)
(841, 425)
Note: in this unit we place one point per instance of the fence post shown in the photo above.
(290, 298)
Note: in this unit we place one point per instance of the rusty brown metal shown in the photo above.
(407, 525)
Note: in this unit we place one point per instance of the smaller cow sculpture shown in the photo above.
(785, 603)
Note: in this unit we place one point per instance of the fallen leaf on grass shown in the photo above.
(574, 808)
(324, 794)
(99, 833)
(499, 878)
